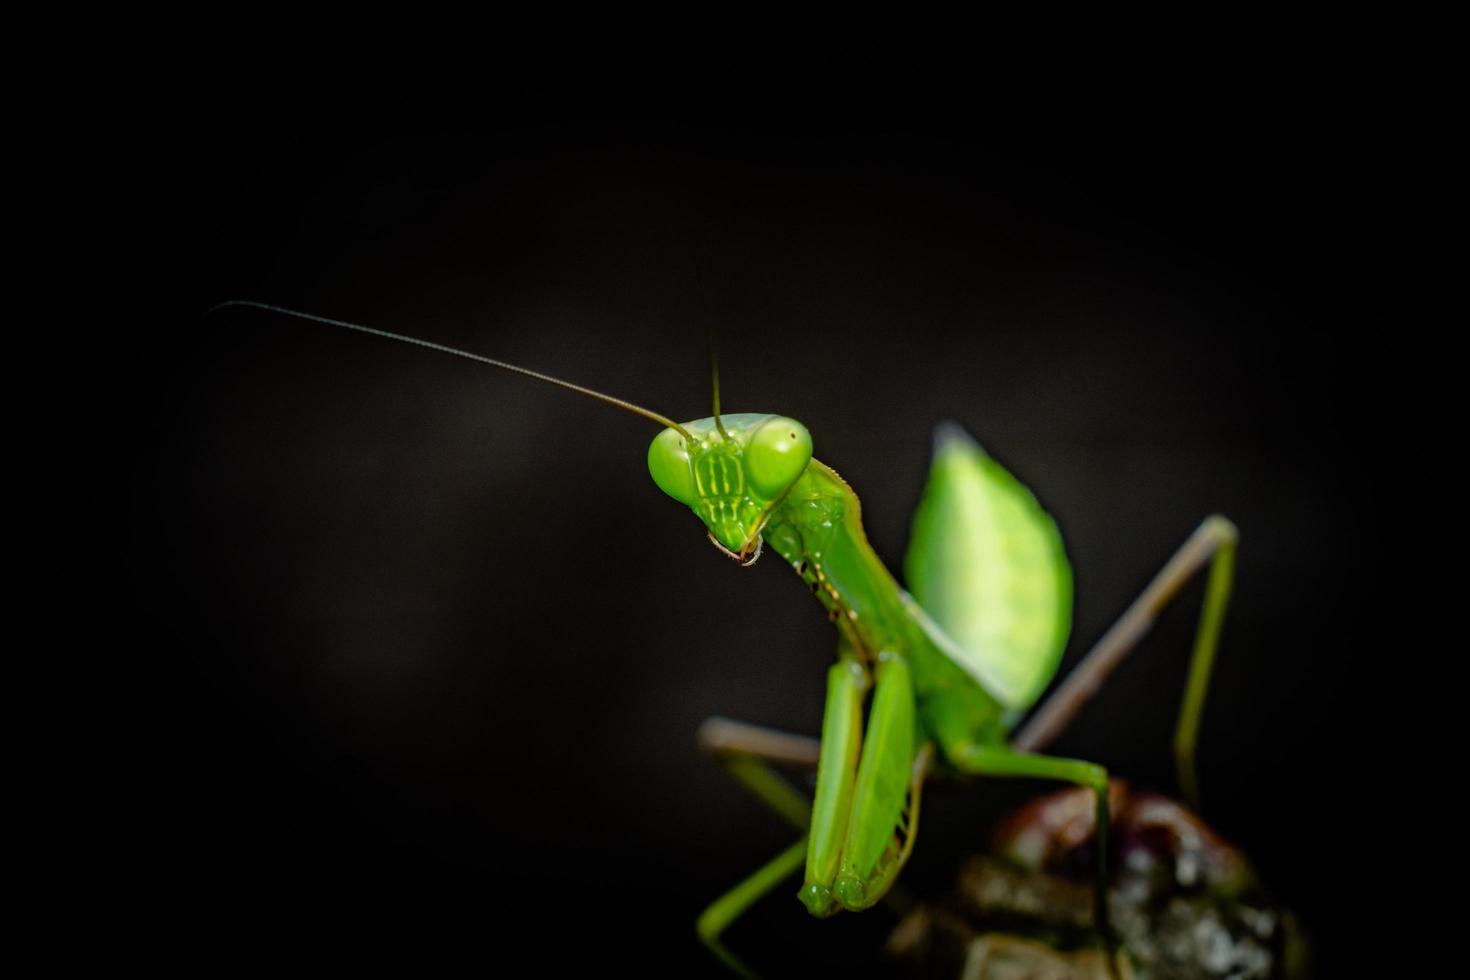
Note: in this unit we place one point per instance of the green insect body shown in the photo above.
(951, 666)
(954, 664)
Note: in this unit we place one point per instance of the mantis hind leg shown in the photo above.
(748, 753)
(1001, 760)
(730, 906)
(1213, 542)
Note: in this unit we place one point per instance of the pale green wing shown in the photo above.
(986, 563)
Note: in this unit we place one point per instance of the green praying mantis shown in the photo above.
(948, 669)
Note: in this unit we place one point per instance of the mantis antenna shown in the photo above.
(714, 370)
(620, 403)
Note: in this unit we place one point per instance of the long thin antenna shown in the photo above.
(714, 370)
(636, 409)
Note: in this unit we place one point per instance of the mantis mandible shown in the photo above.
(949, 667)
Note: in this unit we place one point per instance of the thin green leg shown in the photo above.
(744, 751)
(1202, 660)
(747, 751)
(733, 904)
(1213, 542)
(1001, 760)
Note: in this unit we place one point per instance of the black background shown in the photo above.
(401, 656)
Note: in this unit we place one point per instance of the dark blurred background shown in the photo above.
(404, 655)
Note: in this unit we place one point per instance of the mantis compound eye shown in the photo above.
(668, 464)
(776, 454)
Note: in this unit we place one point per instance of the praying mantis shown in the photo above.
(951, 666)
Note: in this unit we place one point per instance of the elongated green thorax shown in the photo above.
(818, 529)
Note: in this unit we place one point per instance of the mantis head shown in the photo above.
(731, 471)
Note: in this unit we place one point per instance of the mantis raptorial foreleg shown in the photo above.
(1213, 542)
(750, 755)
(747, 753)
(842, 735)
(855, 782)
